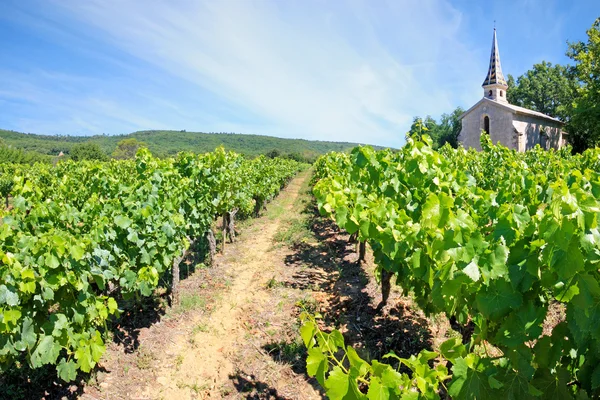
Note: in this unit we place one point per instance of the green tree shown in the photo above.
(87, 151)
(273, 153)
(449, 128)
(546, 88)
(422, 127)
(445, 131)
(584, 123)
(127, 148)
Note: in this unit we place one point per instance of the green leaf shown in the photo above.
(8, 297)
(28, 335)
(553, 385)
(52, 261)
(522, 325)
(469, 383)
(361, 366)
(307, 332)
(568, 263)
(316, 364)
(431, 213)
(452, 349)
(497, 262)
(84, 358)
(77, 252)
(377, 391)
(122, 221)
(337, 384)
(46, 352)
(10, 316)
(112, 305)
(498, 299)
(472, 271)
(67, 370)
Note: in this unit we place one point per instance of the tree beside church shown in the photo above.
(513, 126)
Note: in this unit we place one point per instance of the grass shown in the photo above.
(178, 361)
(202, 327)
(293, 353)
(296, 230)
(194, 387)
(145, 358)
(189, 302)
(293, 232)
(274, 283)
(308, 304)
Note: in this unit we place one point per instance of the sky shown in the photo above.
(351, 70)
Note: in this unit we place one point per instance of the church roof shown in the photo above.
(494, 75)
(512, 108)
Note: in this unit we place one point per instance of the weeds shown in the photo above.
(145, 358)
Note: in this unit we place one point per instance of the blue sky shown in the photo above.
(329, 70)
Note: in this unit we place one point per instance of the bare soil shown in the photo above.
(234, 332)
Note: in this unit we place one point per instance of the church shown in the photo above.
(514, 127)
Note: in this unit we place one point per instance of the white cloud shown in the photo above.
(354, 71)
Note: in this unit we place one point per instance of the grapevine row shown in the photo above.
(491, 238)
(76, 234)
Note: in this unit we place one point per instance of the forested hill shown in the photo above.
(165, 143)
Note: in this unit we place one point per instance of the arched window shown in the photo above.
(501, 93)
(490, 94)
(486, 124)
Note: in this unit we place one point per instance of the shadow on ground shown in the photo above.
(251, 388)
(22, 382)
(41, 383)
(348, 298)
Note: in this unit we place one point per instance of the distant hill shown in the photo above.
(167, 143)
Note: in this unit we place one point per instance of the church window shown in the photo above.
(486, 124)
(490, 94)
(501, 93)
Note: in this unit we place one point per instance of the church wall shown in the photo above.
(501, 127)
(529, 128)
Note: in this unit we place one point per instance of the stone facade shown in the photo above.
(532, 131)
(501, 127)
(514, 127)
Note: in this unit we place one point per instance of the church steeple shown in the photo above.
(494, 86)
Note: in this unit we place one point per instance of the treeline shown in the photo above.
(570, 93)
(9, 154)
(127, 148)
(168, 143)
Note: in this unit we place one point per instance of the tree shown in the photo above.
(446, 131)
(273, 153)
(449, 128)
(127, 148)
(422, 127)
(546, 88)
(584, 123)
(87, 151)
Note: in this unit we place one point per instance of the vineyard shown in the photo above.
(490, 239)
(77, 237)
(504, 245)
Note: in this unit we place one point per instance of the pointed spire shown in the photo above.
(494, 75)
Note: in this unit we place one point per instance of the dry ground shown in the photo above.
(234, 333)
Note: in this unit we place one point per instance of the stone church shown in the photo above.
(514, 127)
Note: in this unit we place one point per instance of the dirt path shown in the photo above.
(229, 336)
(211, 359)
(234, 334)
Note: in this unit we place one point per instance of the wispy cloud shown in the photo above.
(354, 71)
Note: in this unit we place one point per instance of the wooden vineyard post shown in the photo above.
(212, 245)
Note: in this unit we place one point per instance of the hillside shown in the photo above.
(165, 143)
